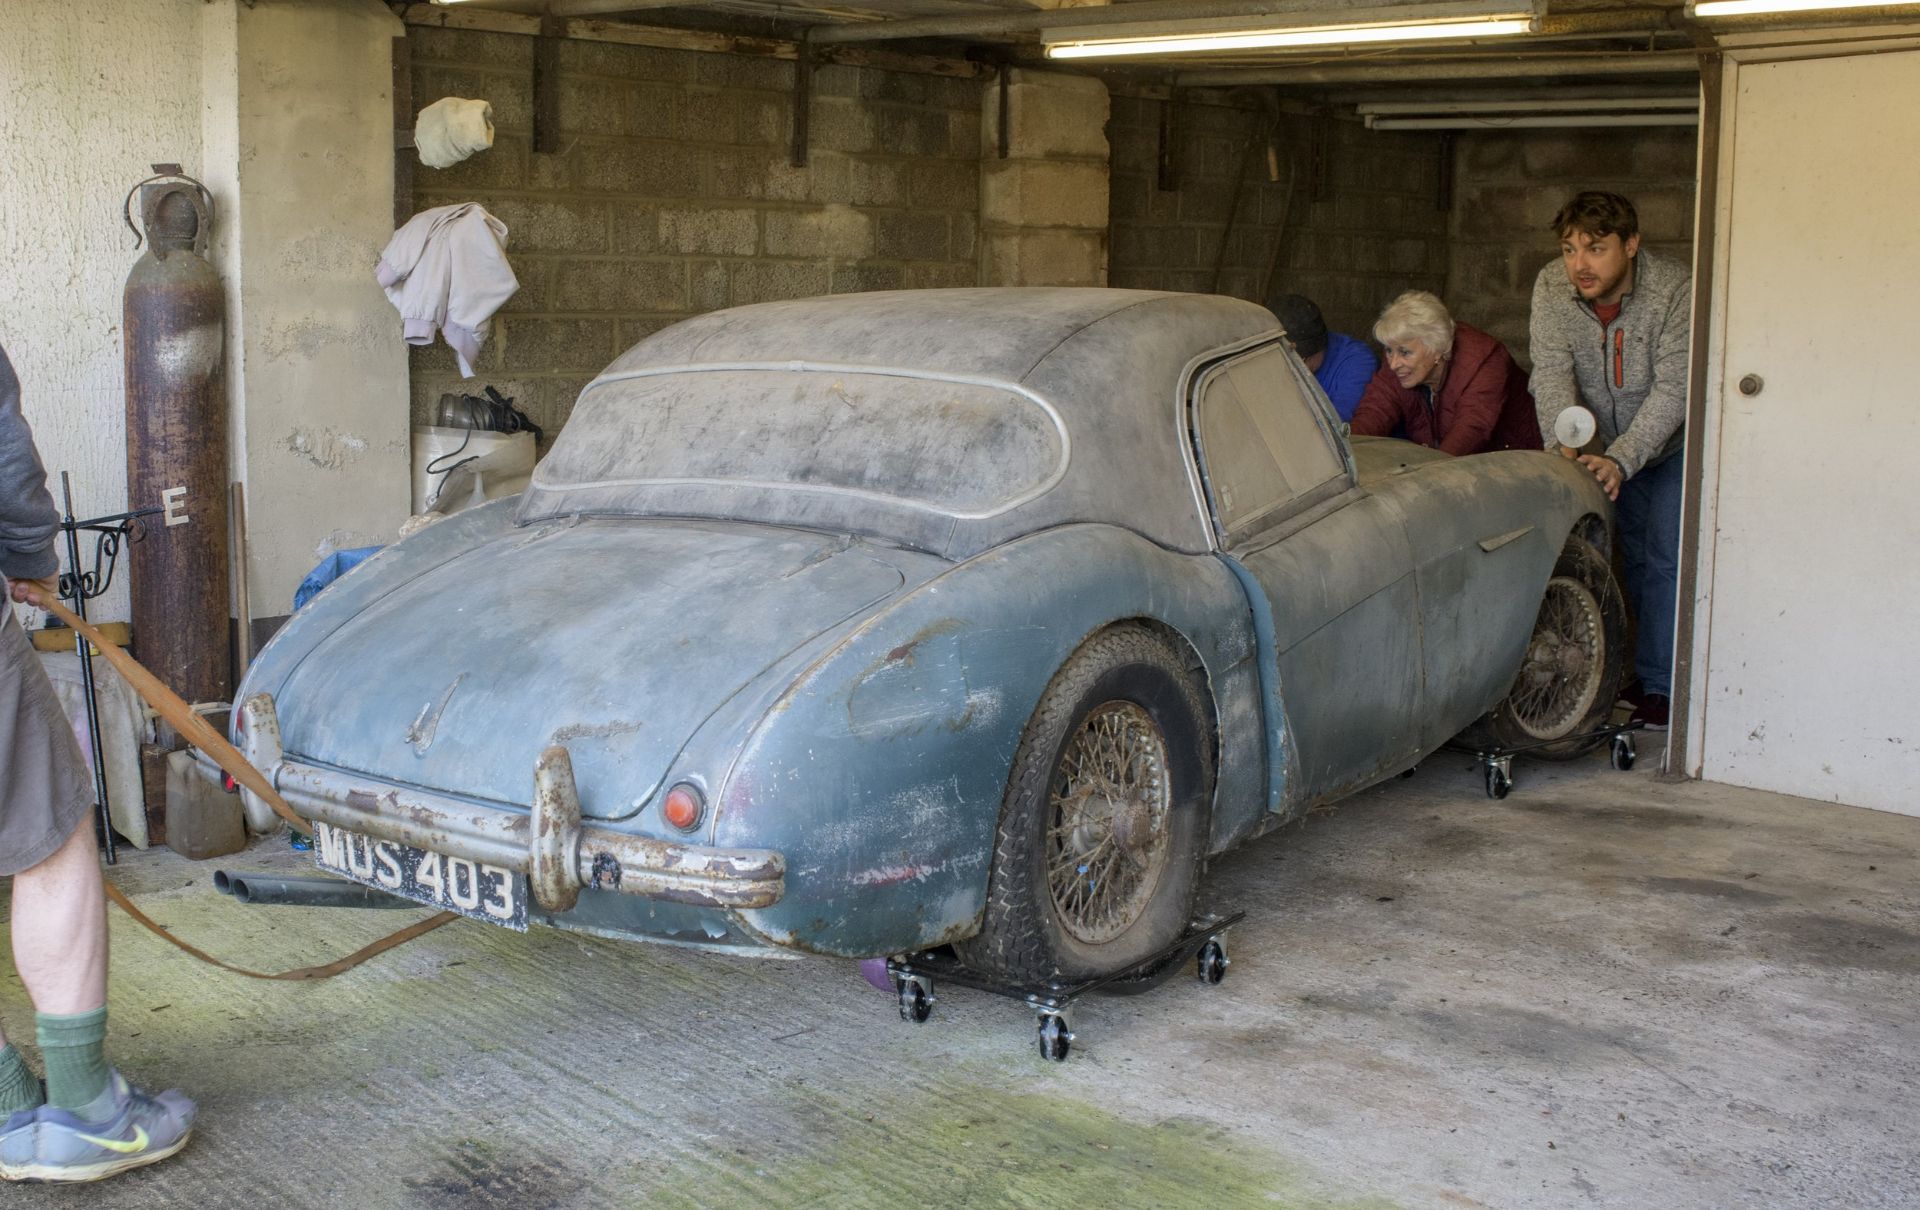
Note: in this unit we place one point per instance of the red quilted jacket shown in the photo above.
(1483, 402)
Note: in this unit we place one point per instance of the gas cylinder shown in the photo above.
(175, 331)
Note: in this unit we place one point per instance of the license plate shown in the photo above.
(454, 884)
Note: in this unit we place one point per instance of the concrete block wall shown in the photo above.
(1043, 208)
(1377, 230)
(1509, 184)
(673, 194)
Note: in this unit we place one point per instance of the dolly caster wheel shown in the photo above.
(1499, 779)
(1623, 752)
(1213, 962)
(1056, 1040)
(916, 998)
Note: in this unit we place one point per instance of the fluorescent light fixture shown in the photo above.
(1269, 39)
(1623, 103)
(1760, 8)
(1533, 121)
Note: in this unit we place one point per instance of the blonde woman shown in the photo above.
(1445, 384)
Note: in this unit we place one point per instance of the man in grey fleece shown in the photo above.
(89, 1122)
(1610, 331)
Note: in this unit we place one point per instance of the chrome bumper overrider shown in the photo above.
(547, 841)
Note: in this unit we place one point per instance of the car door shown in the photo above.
(1481, 559)
(1329, 572)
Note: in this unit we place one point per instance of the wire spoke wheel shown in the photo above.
(1103, 829)
(1565, 664)
(1570, 669)
(1108, 833)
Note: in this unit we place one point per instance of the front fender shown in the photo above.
(879, 772)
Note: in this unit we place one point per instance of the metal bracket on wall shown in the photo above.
(1319, 174)
(1167, 161)
(546, 83)
(804, 63)
(1006, 113)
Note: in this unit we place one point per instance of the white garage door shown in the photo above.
(1812, 680)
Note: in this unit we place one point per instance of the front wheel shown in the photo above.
(1103, 828)
(1574, 662)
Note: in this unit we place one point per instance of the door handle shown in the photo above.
(1498, 540)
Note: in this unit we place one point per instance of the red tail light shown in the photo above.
(683, 807)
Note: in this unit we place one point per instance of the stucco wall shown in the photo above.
(315, 349)
(283, 107)
(95, 91)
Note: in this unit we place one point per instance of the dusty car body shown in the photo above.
(819, 565)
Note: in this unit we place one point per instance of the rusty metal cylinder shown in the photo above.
(175, 330)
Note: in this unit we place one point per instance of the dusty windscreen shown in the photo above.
(753, 437)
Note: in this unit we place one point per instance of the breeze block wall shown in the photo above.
(1354, 218)
(1043, 208)
(1509, 185)
(673, 194)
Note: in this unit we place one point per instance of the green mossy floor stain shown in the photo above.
(480, 1068)
(1032, 1151)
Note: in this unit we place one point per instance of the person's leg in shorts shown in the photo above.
(92, 1123)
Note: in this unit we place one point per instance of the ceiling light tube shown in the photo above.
(1761, 8)
(1613, 104)
(1267, 39)
(1535, 121)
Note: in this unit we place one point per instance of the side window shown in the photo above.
(1263, 443)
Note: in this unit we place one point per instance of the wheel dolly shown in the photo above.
(912, 977)
(1497, 763)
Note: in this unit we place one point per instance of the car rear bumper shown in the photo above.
(546, 840)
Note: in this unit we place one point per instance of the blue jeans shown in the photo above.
(1647, 517)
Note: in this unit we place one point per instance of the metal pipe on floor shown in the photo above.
(295, 890)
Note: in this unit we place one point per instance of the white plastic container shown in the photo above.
(469, 467)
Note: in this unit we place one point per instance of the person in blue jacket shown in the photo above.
(1342, 365)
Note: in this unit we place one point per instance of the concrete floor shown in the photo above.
(1602, 991)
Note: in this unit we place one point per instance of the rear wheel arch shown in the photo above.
(1196, 666)
(1139, 865)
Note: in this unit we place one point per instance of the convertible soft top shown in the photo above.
(946, 420)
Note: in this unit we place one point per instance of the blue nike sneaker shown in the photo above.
(17, 1136)
(123, 1128)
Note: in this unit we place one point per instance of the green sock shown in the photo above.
(74, 1050)
(19, 1087)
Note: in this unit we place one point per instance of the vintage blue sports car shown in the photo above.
(868, 624)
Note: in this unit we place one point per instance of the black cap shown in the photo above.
(1305, 326)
